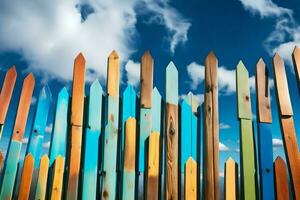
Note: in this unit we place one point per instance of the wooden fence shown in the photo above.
(104, 146)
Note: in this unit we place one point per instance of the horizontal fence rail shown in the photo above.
(138, 145)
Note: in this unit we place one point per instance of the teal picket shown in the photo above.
(93, 131)
(156, 110)
(60, 127)
(39, 125)
(186, 133)
(172, 84)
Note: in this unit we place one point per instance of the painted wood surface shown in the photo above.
(113, 74)
(156, 110)
(146, 80)
(296, 62)
(190, 180)
(152, 180)
(6, 93)
(1, 161)
(265, 146)
(281, 179)
(128, 191)
(58, 174)
(248, 171)
(93, 131)
(171, 142)
(287, 124)
(231, 180)
(76, 127)
(41, 186)
(11, 165)
(39, 125)
(26, 177)
(60, 126)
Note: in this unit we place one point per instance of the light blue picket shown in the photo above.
(39, 125)
(93, 131)
(186, 133)
(156, 110)
(60, 127)
(171, 84)
(128, 188)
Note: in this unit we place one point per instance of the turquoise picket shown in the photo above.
(60, 126)
(172, 84)
(156, 110)
(39, 125)
(186, 136)
(93, 131)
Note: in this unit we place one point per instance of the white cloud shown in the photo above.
(224, 126)
(199, 98)
(49, 34)
(133, 73)
(223, 147)
(25, 140)
(196, 73)
(277, 142)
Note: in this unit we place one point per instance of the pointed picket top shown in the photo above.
(80, 59)
(26, 177)
(156, 110)
(282, 89)
(113, 74)
(191, 161)
(230, 160)
(171, 84)
(263, 92)
(6, 92)
(95, 106)
(63, 93)
(192, 101)
(146, 80)
(23, 108)
(281, 179)
(243, 92)
(211, 56)
(41, 186)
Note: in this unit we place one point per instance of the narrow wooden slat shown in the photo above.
(146, 80)
(281, 84)
(186, 134)
(113, 74)
(26, 177)
(128, 191)
(281, 179)
(190, 180)
(231, 180)
(14, 150)
(39, 125)
(76, 127)
(6, 93)
(171, 132)
(152, 181)
(58, 174)
(296, 61)
(40, 192)
(156, 110)
(246, 133)
(60, 126)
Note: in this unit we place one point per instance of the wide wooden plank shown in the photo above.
(146, 80)
(152, 181)
(282, 89)
(39, 125)
(296, 61)
(26, 177)
(231, 180)
(14, 150)
(6, 93)
(281, 179)
(41, 187)
(190, 180)
(93, 130)
(76, 127)
(60, 126)
(113, 74)
(263, 92)
(58, 175)
(128, 191)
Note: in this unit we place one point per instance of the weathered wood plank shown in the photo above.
(6, 93)
(128, 191)
(26, 177)
(190, 180)
(58, 174)
(76, 127)
(281, 179)
(231, 180)
(93, 131)
(248, 169)
(41, 187)
(281, 84)
(113, 74)
(14, 150)
(152, 181)
(146, 80)
(60, 126)
(171, 132)
(39, 125)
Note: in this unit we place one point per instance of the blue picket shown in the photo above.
(156, 110)
(186, 133)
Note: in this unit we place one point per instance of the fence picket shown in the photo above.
(281, 179)
(231, 180)
(1, 161)
(190, 179)
(41, 187)
(296, 61)
(58, 173)
(26, 177)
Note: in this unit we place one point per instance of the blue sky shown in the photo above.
(45, 38)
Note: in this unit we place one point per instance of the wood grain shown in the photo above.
(263, 92)
(231, 180)
(26, 178)
(281, 179)
(146, 80)
(190, 180)
(40, 192)
(113, 74)
(58, 175)
(130, 141)
(152, 181)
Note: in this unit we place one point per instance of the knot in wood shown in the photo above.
(172, 129)
(247, 98)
